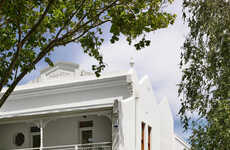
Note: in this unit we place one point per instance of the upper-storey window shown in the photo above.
(142, 136)
(149, 137)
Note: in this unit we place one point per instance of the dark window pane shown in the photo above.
(84, 124)
(34, 129)
(87, 136)
(36, 140)
(142, 136)
(19, 139)
(149, 137)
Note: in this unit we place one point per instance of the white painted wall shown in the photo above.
(166, 126)
(127, 124)
(147, 113)
(142, 107)
(64, 98)
(60, 132)
(7, 133)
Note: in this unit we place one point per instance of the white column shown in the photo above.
(42, 135)
(41, 126)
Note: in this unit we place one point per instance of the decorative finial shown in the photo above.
(131, 62)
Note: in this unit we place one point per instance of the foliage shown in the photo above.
(216, 133)
(31, 29)
(205, 84)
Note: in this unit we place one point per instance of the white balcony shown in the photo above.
(90, 146)
(85, 131)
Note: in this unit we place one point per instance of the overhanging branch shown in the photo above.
(20, 45)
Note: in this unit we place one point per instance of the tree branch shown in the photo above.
(48, 48)
(38, 23)
(78, 37)
(77, 27)
(28, 69)
(20, 45)
(71, 17)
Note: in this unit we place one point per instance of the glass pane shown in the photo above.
(84, 124)
(87, 136)
(34, 129)
(36, 140)
(19, 139)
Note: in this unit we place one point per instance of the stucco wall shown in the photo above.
(127, 124)
(166, 126)
(156, 116)
(7, 132)
(59, 132)
(147, 113)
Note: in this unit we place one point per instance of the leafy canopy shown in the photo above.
(205, 84)
(31, 29)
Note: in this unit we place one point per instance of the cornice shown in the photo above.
(69, 87)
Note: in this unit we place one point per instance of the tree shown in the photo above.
(205, 84)
(31, 29)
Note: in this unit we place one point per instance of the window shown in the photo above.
(149, 137)
(142, 136)
(34, 129)
(19, 139)
(35, 137)
(85, 124)
(86, 136)
(86, 132)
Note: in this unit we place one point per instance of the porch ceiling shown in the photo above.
(53, 111)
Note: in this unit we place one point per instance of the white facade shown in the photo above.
(71, 108)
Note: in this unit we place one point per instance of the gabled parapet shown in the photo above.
(60, 71)
(146, 112)
(166, 125)
(146, 87)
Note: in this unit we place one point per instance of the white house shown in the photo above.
(68, 108)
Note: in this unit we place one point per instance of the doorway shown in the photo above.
(86, 136)
(86, 132)
(36, 141)
(35, 137)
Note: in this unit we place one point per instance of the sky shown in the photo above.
(160, 61)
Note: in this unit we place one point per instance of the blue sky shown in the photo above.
(160, 61)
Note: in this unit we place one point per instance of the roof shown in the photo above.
(59, 109)
(65, 81)
(62, 86)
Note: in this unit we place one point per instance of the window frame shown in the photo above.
(33, 134)
(149, 137)
(14, 139)
(85, 129)
(143, 135)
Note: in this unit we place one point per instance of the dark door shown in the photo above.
(36, 140)
(87, 136)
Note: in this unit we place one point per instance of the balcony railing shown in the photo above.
(91, 146)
